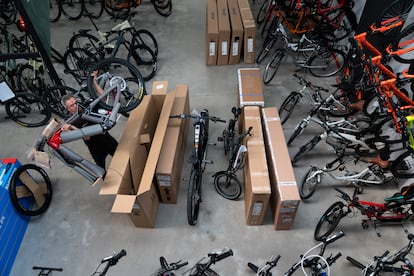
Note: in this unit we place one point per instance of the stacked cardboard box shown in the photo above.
(285, 196)
(230, 28)
(131, 174)
(256, 175)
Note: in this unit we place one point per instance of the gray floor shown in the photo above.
(79, 229)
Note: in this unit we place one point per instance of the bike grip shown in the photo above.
(118, 256)
(334, 237)
(336, 257)
(181, 264)
(253, 267)
(224, 255)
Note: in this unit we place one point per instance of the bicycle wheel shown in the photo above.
(55, 10)
(8, 12)
(28, 110)
(144, 59)
(117, 9)
(227, 185)
(194, 196)
(94, 7)
(329, 220)
(405, 41)
(297, 131)
(146, 38)
(339, 107)
(162, 7)
(132, 83)
(272, 66)
(326, 63)
(30, 190)
(306, 148)
(386, 131)
(84, 41)
(53, 96)
(397, 11)
(73, 9)
(403, 166)
(267, 47)
(77, 62)
(288, 105)
(309, 183)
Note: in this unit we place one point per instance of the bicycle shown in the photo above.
(202, 267)
(108, 262)
(397, 262)
(198, 159)
(395, 209)
(321, 59)
(226, 182)
(373, 174)
(86, 49)
(167, 269)
(312, 93)
(265, 270)
(317, 263)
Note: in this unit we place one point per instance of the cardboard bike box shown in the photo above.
(249, 26)
(140, 146)
(236, 39)
(250, 87)
(224, 33)
(212, 32)
(285, 197)
(256, 175)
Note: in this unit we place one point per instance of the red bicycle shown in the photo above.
(395, 209)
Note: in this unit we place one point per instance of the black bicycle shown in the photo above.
(226, 182)
(198, 159)
(109, 261)
(202, 267)
(397, 263)
(167, 269)
(265, 270)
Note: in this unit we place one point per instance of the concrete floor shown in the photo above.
(78, 229)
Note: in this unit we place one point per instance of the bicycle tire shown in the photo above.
(131, 96)
(340, 107)
(300, 127)
(117, 9)
(146, 38)
(73, 9)
(386, 132)
(94, 8)
(405, 41)
(22, 198)
(288, 105)
(373, 107)
(27, 79)
(162, 7)
(8, 12)
(267, 47)
(398, 10)
(306, 148)
(77, 62)
(28, 110)
(144, 59)
(273, 66)
(194, 196)
(327, 63)
(227, 185)
(308, 186)
(53, 96)
(329, 220)
(403, 165)
(85, 41)
(55, 10)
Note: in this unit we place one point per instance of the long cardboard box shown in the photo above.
(285, 196)
(170, 163)
(249, 26)
(236, 40)
(224, 32)
(250, 87)
(212, 32)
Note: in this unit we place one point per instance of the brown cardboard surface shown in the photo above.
(144, 207)
(249, 26)
(285, 197)
(252, 118)
(250, 87)
(181, 105)
(224, 32)
(257, 184)
(212, 32)
(236, 39)
(159, 87)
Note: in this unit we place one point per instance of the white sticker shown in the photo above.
(235, 51)
(250, 45)
(224, 48)
(212, 49)
(257, 208)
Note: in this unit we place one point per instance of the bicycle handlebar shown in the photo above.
(184, 116)
(334, 237)
(334, 258)
(114, 258)
(218, 256)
